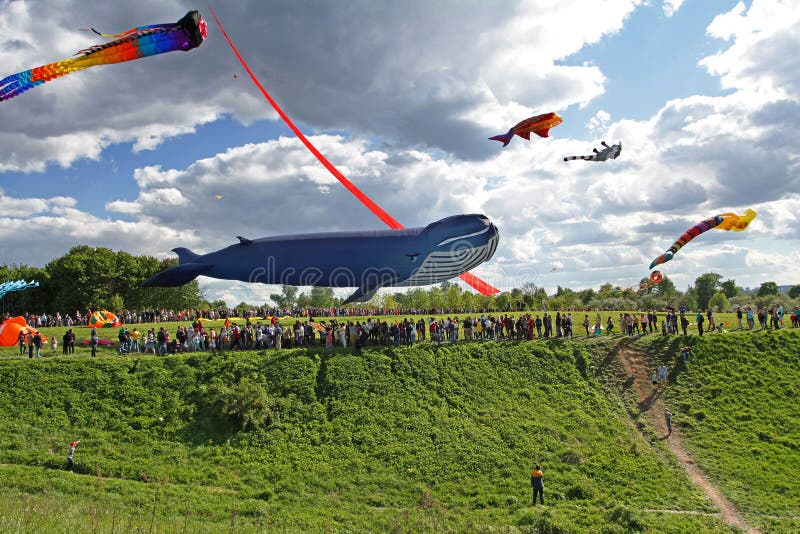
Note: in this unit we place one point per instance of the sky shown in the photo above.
(181, 149)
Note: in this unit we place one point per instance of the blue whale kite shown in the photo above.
(367, 260)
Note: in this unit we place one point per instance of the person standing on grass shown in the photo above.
(537, 483)
(21, 340)
(654, 379)
(699, 318)
(662, 374)
(93, 340)
(70, 463)
(37, 342)
(668, 419)
(53, 344)
(329, 339)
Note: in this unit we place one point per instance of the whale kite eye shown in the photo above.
(412, 256)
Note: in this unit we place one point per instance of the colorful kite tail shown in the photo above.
(659, 260)
(504, 138)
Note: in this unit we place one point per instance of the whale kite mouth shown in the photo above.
(446, 241)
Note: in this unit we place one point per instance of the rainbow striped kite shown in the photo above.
(135, 43)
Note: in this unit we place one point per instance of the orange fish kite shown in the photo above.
(540, 125)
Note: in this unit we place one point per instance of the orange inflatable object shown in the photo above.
(104, 319)
(10, 329)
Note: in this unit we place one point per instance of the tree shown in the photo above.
(528, 294)
(705, 286)
(116, 304)
(768, 288)
(452, 296)
(502, 301)
(719, 302)
(286, 298)
(667, 288)
(586, 296)
(321, 297)
(606, 291)
(729, 288)
(794, 291)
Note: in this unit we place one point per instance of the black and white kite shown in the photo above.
(608, 152)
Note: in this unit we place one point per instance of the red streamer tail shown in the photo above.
(475, 282)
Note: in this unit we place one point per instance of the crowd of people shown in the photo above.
(388, 329)
(269, 333)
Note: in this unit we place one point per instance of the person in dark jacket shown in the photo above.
(537, 483)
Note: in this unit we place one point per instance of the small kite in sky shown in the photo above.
(656, 277)
(135, 43)
(539, 124)
(608, 152)
(724, 221)
(218, 196)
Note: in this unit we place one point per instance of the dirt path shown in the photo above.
(650, 401)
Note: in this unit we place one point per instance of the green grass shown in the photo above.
(408, 440)
(737, 404)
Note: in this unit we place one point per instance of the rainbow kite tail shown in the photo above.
(504, 138)
(659, 260)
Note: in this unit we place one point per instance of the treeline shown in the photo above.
(95, 278)
(709, 290)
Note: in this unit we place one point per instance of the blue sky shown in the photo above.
(408, 123)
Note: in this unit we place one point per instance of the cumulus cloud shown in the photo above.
(761, 57)
(414, 73)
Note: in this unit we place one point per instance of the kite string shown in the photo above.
(373, 207)
(478, 284)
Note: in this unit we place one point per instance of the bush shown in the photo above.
(578, 492)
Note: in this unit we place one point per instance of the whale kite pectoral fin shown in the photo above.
(177, 276)
(361, 295)
(244, 240)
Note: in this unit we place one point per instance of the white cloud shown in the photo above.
(480, 68)
(762, 57)
(671, 7)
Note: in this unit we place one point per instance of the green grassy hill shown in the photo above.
(737, 401)
(419, 439)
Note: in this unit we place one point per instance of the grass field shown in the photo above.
(737, 401)
(408, 439)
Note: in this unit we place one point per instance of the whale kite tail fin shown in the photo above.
(361, 295)
(185, 255)
(177, 276)
(504, 138)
